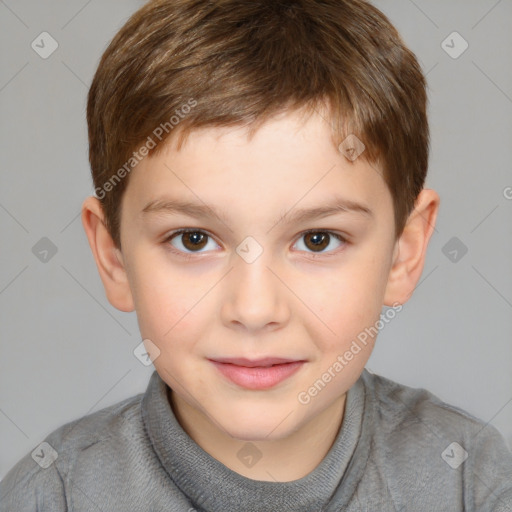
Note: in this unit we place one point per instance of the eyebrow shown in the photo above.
(335, 206)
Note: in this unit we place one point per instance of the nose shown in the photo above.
(255, 297)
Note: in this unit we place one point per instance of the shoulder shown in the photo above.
(38, 481)
(419, 438)
(401, 406)
(402, 411)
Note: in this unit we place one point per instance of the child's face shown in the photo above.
(296, 300)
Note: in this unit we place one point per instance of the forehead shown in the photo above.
(288, 161)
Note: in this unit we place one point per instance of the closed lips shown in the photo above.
(252, 363)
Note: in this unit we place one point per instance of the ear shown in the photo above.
(108, 257)
(411, 248)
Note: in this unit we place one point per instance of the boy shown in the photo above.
(259, 170)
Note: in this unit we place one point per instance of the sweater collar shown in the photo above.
(213, 487)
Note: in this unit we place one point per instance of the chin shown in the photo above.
(260, 427)
(255, 433)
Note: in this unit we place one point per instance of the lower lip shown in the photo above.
(258, 377)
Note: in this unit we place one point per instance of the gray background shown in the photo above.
(65, 352)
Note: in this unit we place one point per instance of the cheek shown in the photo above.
(167, 304)
(350, 301)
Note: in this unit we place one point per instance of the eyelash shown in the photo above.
(190, 255)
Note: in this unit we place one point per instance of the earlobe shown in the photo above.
(108, 257)
(410, 249)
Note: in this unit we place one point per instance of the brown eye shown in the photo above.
(189, 240)
(318, 241)
(194, 240)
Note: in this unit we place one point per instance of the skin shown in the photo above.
(295, 300)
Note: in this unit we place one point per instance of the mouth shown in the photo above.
(263, 362)
(257, 374)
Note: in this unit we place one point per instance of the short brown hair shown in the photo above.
(239, 62)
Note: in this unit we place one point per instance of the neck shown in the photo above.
(286, 459)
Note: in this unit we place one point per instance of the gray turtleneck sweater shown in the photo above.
(399, 449)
